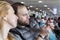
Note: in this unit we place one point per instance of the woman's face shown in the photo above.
(11, 17)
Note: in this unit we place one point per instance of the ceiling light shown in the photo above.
(36, 8)
(54, 10)
(45, 5)
(48, 8)
(22, 2)
(31, 6)
(40, 10)
(39, 1)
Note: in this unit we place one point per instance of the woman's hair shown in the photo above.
(3, 11)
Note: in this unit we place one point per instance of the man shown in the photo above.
(22, 32)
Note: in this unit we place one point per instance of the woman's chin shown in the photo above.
(14, 26)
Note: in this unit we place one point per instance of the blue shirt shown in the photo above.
(52, 36)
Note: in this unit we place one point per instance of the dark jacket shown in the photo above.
(24, 33)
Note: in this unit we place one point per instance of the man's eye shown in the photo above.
(24, 14)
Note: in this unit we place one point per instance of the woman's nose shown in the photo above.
(16, 17)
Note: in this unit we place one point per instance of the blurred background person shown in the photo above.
(57, 28)
(46, 32)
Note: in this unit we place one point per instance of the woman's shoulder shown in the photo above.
(10, 36)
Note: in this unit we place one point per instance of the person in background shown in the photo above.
(58, 24)
(8, 20)
(46, 32)
(34, 22)
(52, 35)
(57, 28)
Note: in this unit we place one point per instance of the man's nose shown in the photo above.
(28, 16)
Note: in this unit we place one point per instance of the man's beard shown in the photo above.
(23, 23)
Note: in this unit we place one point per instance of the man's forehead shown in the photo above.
(23, 10)
(21, 7)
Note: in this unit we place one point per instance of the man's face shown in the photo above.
(23, 16)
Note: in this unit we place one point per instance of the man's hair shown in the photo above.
(15, 6)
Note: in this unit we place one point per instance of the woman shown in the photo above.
(8, 20)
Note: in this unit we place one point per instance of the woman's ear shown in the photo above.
(5, 18)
